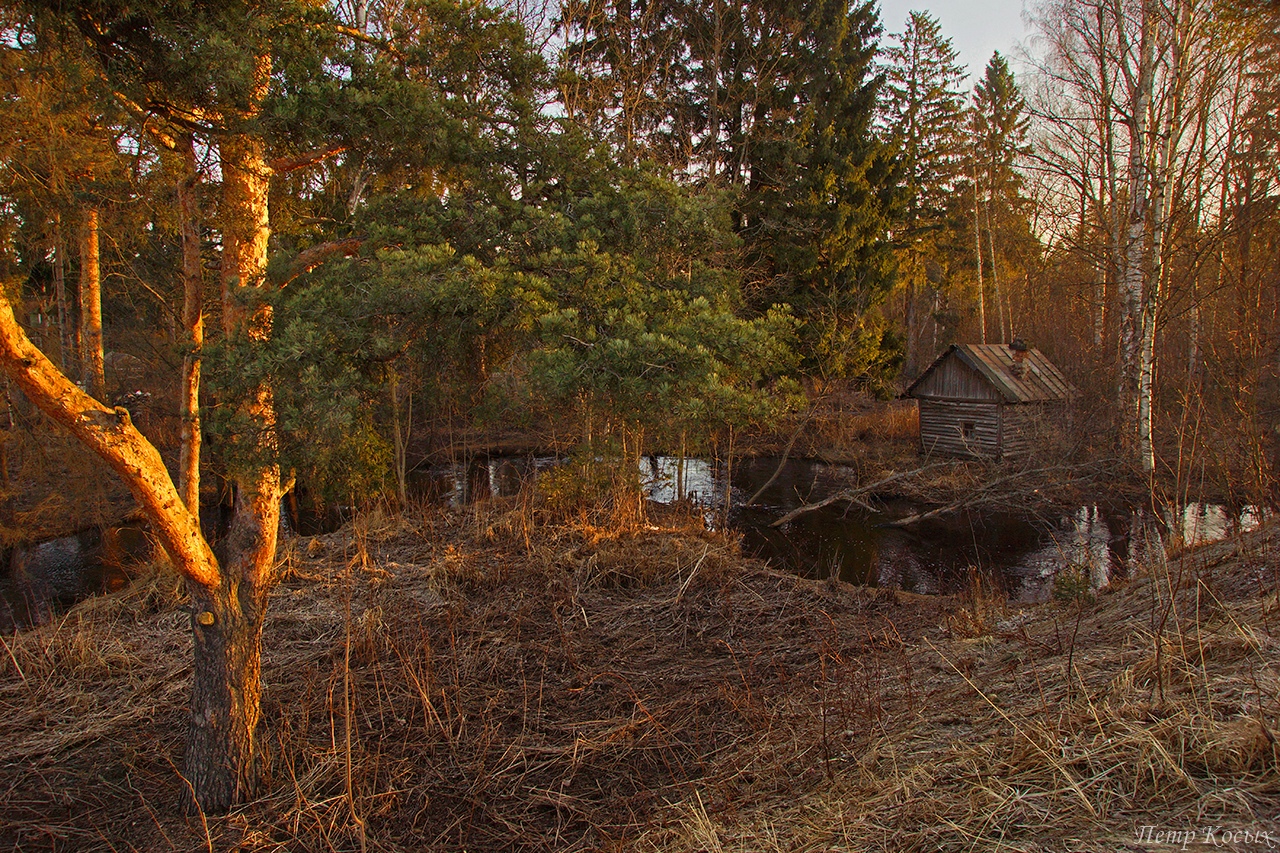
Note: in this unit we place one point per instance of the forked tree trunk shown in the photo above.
(228, 603)
(223, 760)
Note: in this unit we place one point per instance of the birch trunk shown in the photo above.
(1135, 260)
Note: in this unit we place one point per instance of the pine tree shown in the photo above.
(237, 76)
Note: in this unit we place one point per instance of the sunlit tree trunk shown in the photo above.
(1001, 319)
(977, 255)
(91, 355)
(223, 757)
(193, 327)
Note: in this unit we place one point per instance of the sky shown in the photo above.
(975, 27)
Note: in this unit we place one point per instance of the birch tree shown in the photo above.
(1143, 76)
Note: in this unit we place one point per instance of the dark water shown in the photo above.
(40, 579)
(1022, 553)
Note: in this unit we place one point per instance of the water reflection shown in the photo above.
(1022, 553)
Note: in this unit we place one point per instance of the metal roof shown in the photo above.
(1039, 380)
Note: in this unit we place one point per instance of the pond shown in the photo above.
(1023, 554)
(40, 578)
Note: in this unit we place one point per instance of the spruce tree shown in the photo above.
(816, 207)
(999, 125)
(923, 112)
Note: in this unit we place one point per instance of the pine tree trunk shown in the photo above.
(977, 254)
(193, 327)
(713, 92)
(223, 762)
(1002, 327)
(91, 307)
(60, 293)
(223, 765)
(909, 320)
(401, 443)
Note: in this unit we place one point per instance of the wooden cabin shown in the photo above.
(988, 400)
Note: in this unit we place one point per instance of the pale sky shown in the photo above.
(975, 27)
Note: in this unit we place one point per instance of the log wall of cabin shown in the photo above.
(1024, 427)
(943, 427)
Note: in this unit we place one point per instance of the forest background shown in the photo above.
(312, 239)
(658, 214)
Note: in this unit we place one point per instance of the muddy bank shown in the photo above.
(584, 690)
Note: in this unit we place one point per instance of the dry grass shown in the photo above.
(477, 682)
(1156, 705)
(866, 432)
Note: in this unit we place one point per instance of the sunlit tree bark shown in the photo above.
(91, 344)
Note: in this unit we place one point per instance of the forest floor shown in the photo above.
(474, 680)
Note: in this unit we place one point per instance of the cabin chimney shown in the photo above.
(1019, 350)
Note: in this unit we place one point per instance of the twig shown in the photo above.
(191, 792)
(16, 665)
(347, 710)
(684, 586)
(786, 454)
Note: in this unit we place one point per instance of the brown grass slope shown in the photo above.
(442, 683)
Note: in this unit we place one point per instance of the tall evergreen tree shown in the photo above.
(817, 201)
(923, 109)
(773, 99)
(923, 112)
(1000, 128)
(624, 68)
(999, 124)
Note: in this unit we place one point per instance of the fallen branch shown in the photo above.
(983, 494)
(851, 495)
